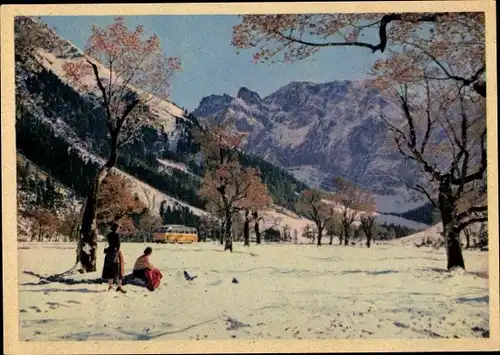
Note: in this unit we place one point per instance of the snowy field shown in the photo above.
(283, 291)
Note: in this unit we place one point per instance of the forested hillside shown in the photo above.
(64, 133)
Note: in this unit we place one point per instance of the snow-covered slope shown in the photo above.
(166, 111)
(432, 234)
(171, 165)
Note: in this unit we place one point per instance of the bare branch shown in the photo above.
(421, 189)
(480, 88)
(386, 19)
(104, 95)
(463, 225)
(478, 175)
(475, 209)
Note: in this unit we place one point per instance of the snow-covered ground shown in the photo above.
(283, 291)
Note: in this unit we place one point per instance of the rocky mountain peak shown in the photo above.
(249, 96)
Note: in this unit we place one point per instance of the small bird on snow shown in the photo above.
(189, 277)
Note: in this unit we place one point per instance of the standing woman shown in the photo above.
(113, 261)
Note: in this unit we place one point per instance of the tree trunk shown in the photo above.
(331, 238)
(222, 231)
(454, 249)
(246, 230)
(467, 239)
(228, 236)
(368, 240)
(346, 235)
(452, 241)
(450, 232)
(88, 230)
(341, 236)
(40, 235)
(256, 228)
(320, 235)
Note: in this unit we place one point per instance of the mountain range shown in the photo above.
(320, 131)
(294, 134)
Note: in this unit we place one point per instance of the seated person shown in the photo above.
(142, 264)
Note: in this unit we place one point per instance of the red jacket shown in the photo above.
(154, 277)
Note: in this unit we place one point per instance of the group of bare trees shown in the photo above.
(336, 212)
(229, 188)
(434, 69)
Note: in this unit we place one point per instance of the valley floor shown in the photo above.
(284, 291)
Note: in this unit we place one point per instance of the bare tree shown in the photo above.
(128, 74)
(312, 204)
(368, 224)
(352, 201)
(334, 226)
(444, 133)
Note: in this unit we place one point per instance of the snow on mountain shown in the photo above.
(166, 111)
(170, 165)
(396, 203)
(153, 197)
(301, 127)
(318, 131)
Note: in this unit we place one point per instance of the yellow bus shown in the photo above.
(174, 233)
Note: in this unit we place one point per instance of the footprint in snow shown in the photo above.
(38, 310)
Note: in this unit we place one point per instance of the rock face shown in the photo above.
(318, 131)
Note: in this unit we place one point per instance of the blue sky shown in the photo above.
(211, 65)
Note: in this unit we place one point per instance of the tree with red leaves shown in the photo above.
(128, 74)
(257, 199)
(227, 186)
(116, 200)
(45, 222)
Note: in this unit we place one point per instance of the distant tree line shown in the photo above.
(424, 214)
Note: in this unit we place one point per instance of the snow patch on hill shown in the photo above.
(166, 111)
(153, 197)
(175, 165)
